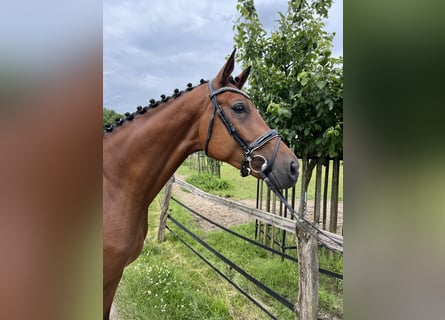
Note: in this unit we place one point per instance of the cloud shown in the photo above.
(152, 47)
(335, 24)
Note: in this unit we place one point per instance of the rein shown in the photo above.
(248, 149)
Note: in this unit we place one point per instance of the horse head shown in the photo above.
(233, 131)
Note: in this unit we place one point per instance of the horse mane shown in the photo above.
(108, 128)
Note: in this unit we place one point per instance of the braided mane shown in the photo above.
(108, 128)
(152, 105)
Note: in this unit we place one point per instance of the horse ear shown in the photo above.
(223, 76)
(242, 78)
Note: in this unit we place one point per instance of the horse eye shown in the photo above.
(239, 108)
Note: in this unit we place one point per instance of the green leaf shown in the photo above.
(301, 75)
(321, 84)
(273, 108)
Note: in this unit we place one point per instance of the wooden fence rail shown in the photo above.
(306, 307)
(277, 221)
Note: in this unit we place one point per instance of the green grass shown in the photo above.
(210, 183)
(241, 188)
(245, 188)
(169, 282)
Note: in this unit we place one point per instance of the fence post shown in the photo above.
(303, 179)
(317, 200)
(306, 307)
(334, 196)
(164, 211)
(325, 192)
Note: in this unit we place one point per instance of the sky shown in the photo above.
(151, 47)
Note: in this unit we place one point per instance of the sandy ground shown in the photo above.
(228, 217)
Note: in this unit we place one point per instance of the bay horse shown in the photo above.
(142, 151)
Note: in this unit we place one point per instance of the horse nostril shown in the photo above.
(294, 169)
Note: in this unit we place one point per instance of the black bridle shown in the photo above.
(246, 165)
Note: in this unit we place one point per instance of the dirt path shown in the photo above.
(218, 213)
(228, 217)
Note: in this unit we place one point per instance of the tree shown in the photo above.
(109, 115)
(297, 84)
(298, 87)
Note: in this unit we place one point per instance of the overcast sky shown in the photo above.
(152, 47)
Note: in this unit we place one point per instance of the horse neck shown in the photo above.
(140, 157)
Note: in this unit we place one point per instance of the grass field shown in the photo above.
(245, 188)
(169, 282)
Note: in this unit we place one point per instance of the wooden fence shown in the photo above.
(307, 243)
(322, 208)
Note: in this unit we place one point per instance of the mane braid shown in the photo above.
(108, 128)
